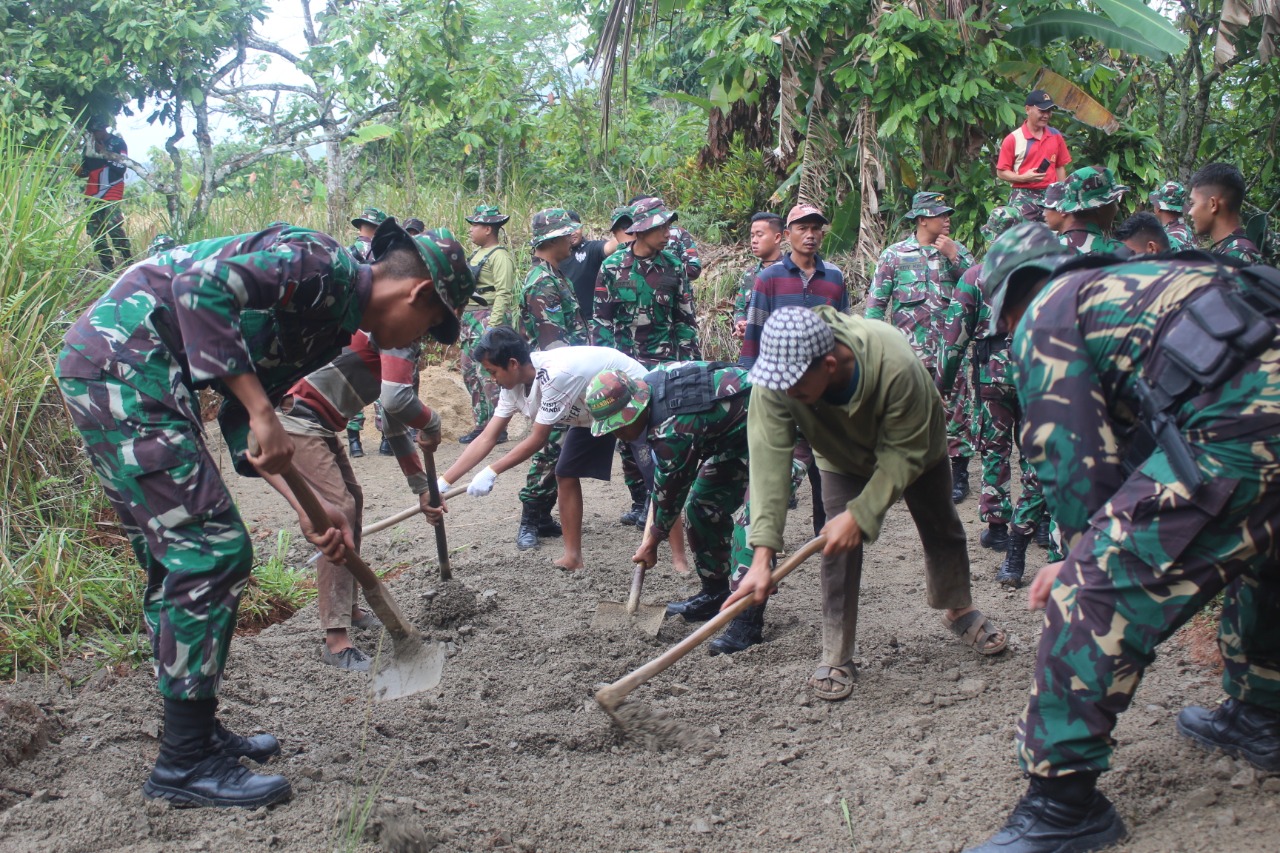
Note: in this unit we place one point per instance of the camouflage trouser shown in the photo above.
(357, 421)
(997, 419)
(1149, 561)
(742, 552)
(483, 390)
(960, 414)
(540, 489)
(631, 474)
(1018, 195)
(106, 230)
(180, 521)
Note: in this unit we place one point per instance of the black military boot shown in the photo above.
(1065, 813)
(1042, 532)
(548, 527)
(995, 537)
(384, 449)
(745, 631)
(471, 436)
(192, 770)
(637, 515)
(1237, 728)
(527, 534)
(257, 748)
(1015, 560)
(705, 604)
(959, 479)
(353, 439)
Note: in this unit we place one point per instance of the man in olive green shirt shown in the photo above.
(857, 392)
(495, 274)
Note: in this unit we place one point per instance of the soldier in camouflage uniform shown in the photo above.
(1153, 418)
(162, 243)
(366, 223)
(1142, 234)
(495, 274)
(248, 316)
(644, 307)
(1049, 212)
(766, 245)
(679, 241)
(1167, 203)
(912, 287)
(1090, 199)
(1217, 193)
(996, 414)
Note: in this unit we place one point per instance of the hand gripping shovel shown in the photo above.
(415, 665)
(646, 618)
(611, 696)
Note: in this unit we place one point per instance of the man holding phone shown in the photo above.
(1035, 155)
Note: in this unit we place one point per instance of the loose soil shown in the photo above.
(511, 753)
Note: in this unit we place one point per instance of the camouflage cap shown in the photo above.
(928, 204)
(621, 214)
(1053, 195)
(614, 400)
(552, 223)
(1000, 221)
(649, 213)
(162, 243)
(1028, 245)
(370, 215)
(445, 259)
(1171, 196)
(487, 214)
(414, 226)
(1089, 189)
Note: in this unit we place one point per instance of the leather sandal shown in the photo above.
(976, 631)
(841, 676)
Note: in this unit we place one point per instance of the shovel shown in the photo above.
(611, 696)
(433, 489)
(645, 618)
(405, 514)
(415, 665)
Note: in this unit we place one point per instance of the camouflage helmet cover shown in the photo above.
(1029, 245)
(552, 223)
(1171, 196)
(614, 400)
(1089, 189)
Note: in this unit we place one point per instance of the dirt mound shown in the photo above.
(442, 390)
(24, 730)
(449, 604)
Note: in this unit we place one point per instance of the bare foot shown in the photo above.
(570, 563)
(680, 564)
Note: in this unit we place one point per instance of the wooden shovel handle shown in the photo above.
(442, 545)
(405, 514)
(612, 695)
(320, 521)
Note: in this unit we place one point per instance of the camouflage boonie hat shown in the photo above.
(487, 214)
(928, 204)
(1001, 220)
(1053, 195)
(649, 213)
(370, 215)
(1089, 189)
(162, 243)
(614, 400)
(620, 214)
(1172, 196)
(447, 263)
(414, 226)
(1026, 245)
(552, 223)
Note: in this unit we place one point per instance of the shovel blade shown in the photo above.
(613, 615)
(414, 666)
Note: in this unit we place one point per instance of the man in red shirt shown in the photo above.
(1035, 155)
(104, 189)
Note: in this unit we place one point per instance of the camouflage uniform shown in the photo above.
(281, 302)
(1084, 189)
(746, 284)
(494, 272)
(912, 289)
(1237, 245)
(680, 244)
(362, 251)
(1146, 550)
(1171, 197)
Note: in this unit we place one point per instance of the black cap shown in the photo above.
(1040, 98)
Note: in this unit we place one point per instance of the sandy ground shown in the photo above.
(510, 752)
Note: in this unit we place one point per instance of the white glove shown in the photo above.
(483, 483)
(443, 485)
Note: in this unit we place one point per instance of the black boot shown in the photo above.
(527, 534)
(1239, 729)
(995, 537)
(637, 515)
(384, 449)
(1065, 813)
(192, 771)
(1015, 560)
(353, 439)
(471, 436)
(745, 631)
(257, 748)
(705, 604)
(1042, 532)
(548, 527)
(959, 479)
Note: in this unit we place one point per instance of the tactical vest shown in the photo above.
(475, 270)
(686, 390)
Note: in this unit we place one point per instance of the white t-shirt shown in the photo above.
(558, 394)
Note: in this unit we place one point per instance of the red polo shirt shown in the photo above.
(1021, 152)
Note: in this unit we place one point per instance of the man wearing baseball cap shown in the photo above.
(1090, 199)
(869, 408)
(1035, 155)
(914, 281)
(1167, 202)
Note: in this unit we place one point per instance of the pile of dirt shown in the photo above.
(25, 729)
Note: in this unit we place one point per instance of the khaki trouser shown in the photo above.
(946, 558)
(322, 462)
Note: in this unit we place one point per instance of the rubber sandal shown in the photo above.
(842, 676)
(975, 630)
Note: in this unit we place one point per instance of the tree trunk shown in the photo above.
(204, 144)
(173, 198)
(335, 185)
(753, 121)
